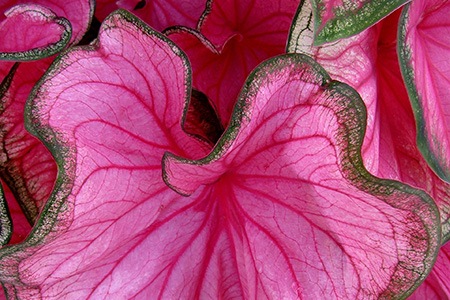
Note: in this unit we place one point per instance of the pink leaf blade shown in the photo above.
(20, 225)
(32, 32)
(348, 60)
(78, 12)
(368, 62)
(158, 14)
(230, 41)
(336, 19)
(110, 202)
(294, 132)
(424, 56)
(217, 74)
(248, 19)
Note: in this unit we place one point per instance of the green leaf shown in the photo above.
(340, 19)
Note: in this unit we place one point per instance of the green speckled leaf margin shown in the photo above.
(349, 18)
(351, 115)
(39, 53)
(405, 60)
(56, 214)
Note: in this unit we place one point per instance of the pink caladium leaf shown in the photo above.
(159, 14)
(368, 61)
(284, 156)
(335, 19)
(26, 165)
(277, 187)
(424, 48)
(32, 32)
(231, 40)
(437, 284)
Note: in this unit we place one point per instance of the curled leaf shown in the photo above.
(285, 183)
(20, 225)
(424, 51)
(368, 62)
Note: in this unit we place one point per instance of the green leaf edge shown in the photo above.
(353, 127)
(65, 154)
(39, 53)
(405, 58)
(350, 22)
(5, 220)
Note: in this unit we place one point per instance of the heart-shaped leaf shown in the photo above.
(32, 32)
(282, 198)
(335, 19)
(368, 62)
(424, 48)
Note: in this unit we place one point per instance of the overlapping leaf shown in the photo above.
(233, 38)
(32, 32)
(5, 221)
(288, 169)
(424, 46)
(368, 62)
(276, 188)
(335, 19)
